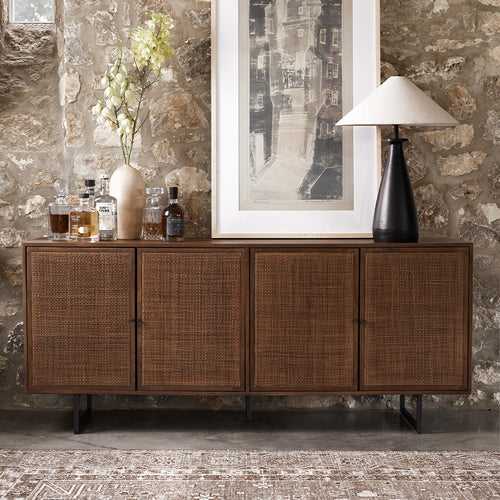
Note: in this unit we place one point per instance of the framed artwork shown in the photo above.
(283, 74)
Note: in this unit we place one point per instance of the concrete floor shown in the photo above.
(278, 430)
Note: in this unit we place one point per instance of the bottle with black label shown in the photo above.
(173, 219)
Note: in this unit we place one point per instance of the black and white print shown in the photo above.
(294, 150)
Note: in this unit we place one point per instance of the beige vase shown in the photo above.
(127, 186)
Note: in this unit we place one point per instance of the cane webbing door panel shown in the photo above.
(305, 306)
(80, 310)
(249, 317)
(192, 306)
(414, 303)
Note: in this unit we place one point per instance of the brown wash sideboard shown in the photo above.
(248, 318)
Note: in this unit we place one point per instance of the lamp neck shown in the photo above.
(395, 139)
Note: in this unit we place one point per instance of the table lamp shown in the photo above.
(397, 102)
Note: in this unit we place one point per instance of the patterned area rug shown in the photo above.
(252, 475)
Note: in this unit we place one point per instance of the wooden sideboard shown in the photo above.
(248, 317)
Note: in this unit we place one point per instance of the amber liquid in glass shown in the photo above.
(59, 223)
(152, 230)
(84, 225)
(173, 223)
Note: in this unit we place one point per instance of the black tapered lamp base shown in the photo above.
(395, 219)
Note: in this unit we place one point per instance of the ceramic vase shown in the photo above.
(395, 219)
(129, 189)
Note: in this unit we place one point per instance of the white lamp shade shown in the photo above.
(398, 102)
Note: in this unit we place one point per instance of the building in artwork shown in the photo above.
(324, 179)
(295, 98)
(262, 46)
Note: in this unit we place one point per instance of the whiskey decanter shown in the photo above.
(151, 215)
(59, 212)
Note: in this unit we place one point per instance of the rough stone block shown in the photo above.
(74, 136)
(164, 152)
(104, 27)
(176, 112)
(75, 52)
(31, 39)
(70, 86)
(35, 207)
(489, 22)
(146, 7)
(13, 272)
(463, 105)
(200, 18)
(15, 341)
(433, 213)
(194, 59)
(449, 138)
(461, 164)
(469, 189)
(27, 132)
(492, 127)
(8, 184)
(495, 55)
(10, 237)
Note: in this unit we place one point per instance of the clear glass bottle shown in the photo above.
(151, 215)
(59, 212)
(173, 218)
(90, 188)
(106, 205)
(84, 221)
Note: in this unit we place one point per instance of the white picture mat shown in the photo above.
(227, 219)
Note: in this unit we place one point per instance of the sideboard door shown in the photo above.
(80, 307)
(415, 303)
(304, 306)
(193, 309)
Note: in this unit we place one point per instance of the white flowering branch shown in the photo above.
(124, 90)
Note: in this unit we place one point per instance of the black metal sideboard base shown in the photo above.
(81, 418)
(416, 423)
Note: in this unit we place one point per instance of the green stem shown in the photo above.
(123, 146)
(136, 119)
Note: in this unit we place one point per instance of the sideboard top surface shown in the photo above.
(249, 243)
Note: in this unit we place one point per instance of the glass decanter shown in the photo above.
(59, 212)
(151, 215)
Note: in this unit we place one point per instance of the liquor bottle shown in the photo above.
(59, 212)
(84, 221)
(105, 204)
(173, 219)
(90, 185)
(151, 215)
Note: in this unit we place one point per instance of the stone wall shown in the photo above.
(48, 75)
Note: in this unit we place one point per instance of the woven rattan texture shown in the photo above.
(304, 312)
(414, 310)
(80, 318)
(191, 319)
